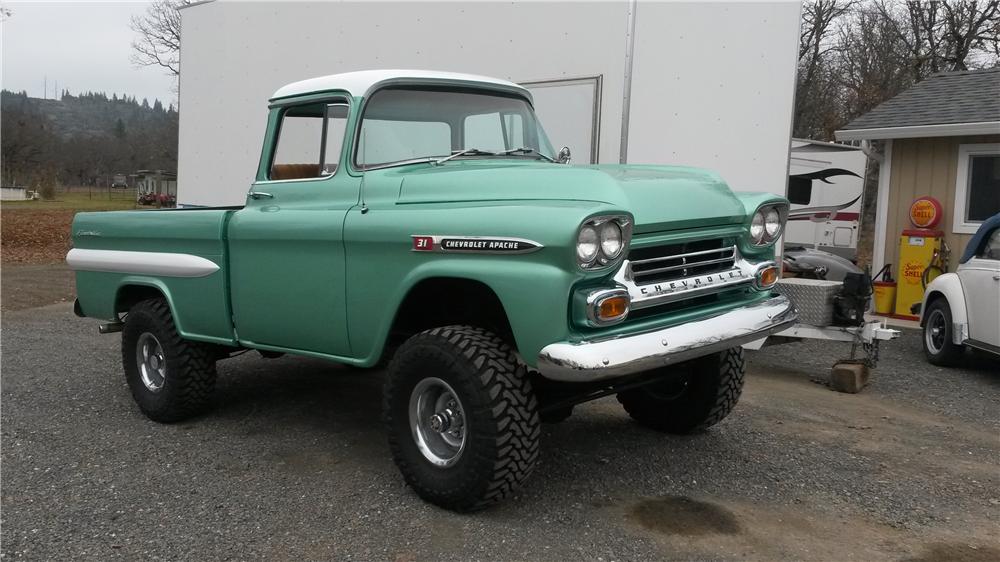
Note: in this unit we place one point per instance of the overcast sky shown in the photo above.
(82, 45)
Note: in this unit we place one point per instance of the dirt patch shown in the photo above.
(38, 232)
(677, 515)
(35, 236)
(687, 528)
(948, 552)
(905, 440)
(28, 286)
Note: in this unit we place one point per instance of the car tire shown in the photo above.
(937, 335)
(171, 378)
(461, 417)
(691, 396)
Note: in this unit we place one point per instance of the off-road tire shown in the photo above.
(500, 409)
(711, 388)
(189, 382)
(949, 353)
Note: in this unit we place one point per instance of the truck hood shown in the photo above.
(659, 197)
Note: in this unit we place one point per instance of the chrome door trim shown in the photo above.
(146, 263)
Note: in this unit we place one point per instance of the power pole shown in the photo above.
(45, 88)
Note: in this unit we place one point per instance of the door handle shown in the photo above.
(996, 277)
(260, 195)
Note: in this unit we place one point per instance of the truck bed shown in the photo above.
(180, 253)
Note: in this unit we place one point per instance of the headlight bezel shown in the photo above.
(766, 238)
(602, 260)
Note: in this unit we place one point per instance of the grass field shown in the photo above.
(79, 199)
(38, 232)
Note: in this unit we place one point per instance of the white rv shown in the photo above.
(826, 189)
(701, 84)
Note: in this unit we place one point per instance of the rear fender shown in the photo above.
(949, 287)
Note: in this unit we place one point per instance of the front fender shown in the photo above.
(537, 310)
(383, 266)
(949, 287)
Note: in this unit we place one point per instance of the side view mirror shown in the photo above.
(564, 156)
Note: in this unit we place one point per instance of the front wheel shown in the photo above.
(939, 346)
(461, 416)
(691, 396)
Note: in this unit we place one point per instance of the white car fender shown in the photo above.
(949, 286)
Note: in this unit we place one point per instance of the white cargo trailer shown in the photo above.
(691, 83)
(702, 84)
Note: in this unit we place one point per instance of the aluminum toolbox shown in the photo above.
(813, 298)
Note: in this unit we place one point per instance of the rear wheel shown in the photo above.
(461, 417)
(939, 346)
(171, 378)
(691, 396)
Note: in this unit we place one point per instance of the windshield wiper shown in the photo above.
(526, 150)
(466, 152)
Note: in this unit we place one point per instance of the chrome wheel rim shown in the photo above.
(151, 362)
(935, 331)
(437, 422)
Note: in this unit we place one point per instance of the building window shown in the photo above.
(977, 186)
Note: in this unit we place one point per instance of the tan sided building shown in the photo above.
(942, 139)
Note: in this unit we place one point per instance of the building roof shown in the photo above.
(945, 104)
(361, 82)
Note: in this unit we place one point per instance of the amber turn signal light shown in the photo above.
(612, 308)
(767, 277)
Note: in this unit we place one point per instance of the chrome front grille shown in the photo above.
(671, 262)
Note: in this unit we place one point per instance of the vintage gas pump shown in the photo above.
(920, 248)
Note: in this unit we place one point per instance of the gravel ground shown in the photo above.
(292, 464)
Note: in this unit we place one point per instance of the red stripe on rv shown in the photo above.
(836, 217)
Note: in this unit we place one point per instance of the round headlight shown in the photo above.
(611, 239)
(587, 244)
(757, 228)
(772, 223)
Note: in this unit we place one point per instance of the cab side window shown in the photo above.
(309, 141)
(991, 249)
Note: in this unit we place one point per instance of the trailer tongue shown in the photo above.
(835, 311)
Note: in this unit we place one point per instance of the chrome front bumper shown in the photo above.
(626, 355)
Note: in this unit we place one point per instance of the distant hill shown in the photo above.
(83, 139)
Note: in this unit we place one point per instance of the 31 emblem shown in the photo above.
(473, 244)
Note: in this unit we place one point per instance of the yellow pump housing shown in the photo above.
(917, 248)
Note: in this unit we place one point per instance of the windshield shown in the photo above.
(402, 125)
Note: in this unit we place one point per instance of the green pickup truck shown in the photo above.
(421, 220)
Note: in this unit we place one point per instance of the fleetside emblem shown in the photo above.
(473, 244)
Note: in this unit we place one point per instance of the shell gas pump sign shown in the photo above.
(918, 248)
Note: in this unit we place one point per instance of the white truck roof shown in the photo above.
(359, 83)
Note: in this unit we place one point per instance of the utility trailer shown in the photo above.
(835, 311)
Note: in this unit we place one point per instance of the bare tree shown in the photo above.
(942, 35)
(971, 29)
(814, 90)
(159, 41)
